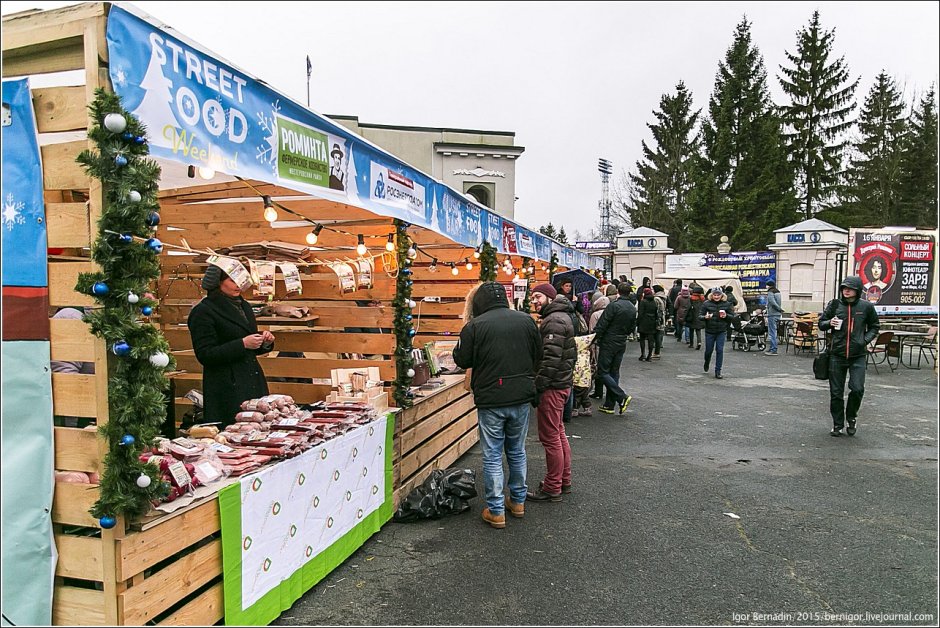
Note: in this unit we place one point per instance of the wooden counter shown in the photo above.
(439, 428)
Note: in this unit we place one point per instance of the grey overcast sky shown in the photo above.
(574, 81)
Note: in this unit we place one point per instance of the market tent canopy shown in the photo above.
(708, 278)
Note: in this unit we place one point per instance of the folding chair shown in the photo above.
(880, 347)
(805, 337)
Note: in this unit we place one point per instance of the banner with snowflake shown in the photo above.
(204, 112)
(24, 223)
(288, 526)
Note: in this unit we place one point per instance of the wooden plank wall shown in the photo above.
(334, 340)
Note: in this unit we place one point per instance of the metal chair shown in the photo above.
(881, 347)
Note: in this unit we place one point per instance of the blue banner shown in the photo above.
(24, 220)
(754, 269)
(201, 111)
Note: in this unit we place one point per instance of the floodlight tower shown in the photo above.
(606, 168)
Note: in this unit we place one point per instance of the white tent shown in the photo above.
(707, 278)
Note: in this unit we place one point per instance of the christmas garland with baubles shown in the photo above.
(488, 263)
(127, 252)
(404, 330)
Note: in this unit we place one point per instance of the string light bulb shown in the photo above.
(390, 245)
(206, 173)
(270, 212)
(469, 265)
(476, 252)
(453, 269)
(433, 267)
(361, 247)
(314, 235)
(412, 252)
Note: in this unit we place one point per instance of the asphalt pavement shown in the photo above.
(713, 502)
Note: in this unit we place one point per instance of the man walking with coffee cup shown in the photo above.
(851, 323)
(717, 314)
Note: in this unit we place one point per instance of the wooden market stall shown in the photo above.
(167, 569)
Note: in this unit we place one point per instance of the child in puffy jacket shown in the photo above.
(583, 376)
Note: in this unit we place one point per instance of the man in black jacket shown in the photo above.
(502, 347)
(553, 383)
(852, 323)
(617, 323)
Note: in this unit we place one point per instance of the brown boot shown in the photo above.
(516, 510)
(497, 521)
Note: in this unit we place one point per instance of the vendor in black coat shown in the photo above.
(226, 341)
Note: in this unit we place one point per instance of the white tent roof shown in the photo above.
(709, 278)
(697, 272)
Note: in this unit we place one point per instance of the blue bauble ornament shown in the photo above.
(100, 289)
(409, 283)
(140, 139)
(127, 439)
(146, 310)
(408, 317)
(126, 238)
(154, 245)
(406, 271)
(120, 161)
(153, 219)
(411, 332)
(121, 348)
(127, 135)
(107, 522)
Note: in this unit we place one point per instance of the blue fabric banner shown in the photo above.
(202, 111)
(24, 220)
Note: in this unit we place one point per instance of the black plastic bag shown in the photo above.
(442, 493)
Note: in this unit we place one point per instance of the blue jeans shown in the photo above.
(716, 343)
(772, 323)
(608, 370)
(503, 428)
(838, 367)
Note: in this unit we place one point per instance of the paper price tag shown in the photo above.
(207, 473)
(180, 474)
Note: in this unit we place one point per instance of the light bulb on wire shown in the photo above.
(361, 247)
(476, 253)
(314, 235)
(453, 269)
(270, 212)
(390, 245)
(469, 265)
(433, 267)
(206, 173)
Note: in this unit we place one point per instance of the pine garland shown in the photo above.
(135, 389)
(488, 262)
(403, 320)
(526, 263)
(552, 265)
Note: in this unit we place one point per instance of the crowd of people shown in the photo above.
(517, 364)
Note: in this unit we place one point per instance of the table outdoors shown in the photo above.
(901, 336)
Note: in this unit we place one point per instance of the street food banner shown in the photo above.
(753, 268)
(897, 269)
(202, 111)
(289, 525)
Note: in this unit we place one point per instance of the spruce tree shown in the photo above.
(663, 179)
(815, 121)
(747, 184)
(548, 230)
(919, 167)
(873, 179)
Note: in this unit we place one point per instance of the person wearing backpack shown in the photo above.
(692, 321)
(851, 323)
(659, 295)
